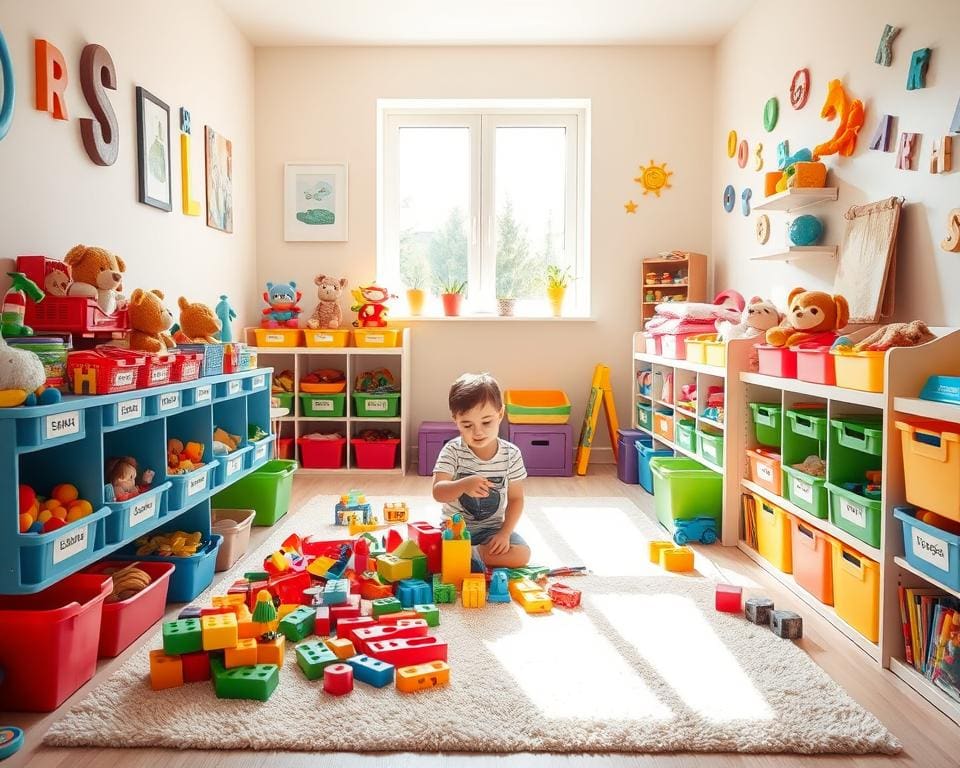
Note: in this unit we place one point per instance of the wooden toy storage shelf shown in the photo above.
(695, 287)
(68, 443)
(350, 360)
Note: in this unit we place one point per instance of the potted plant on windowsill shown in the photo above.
(505, 305)
(451, 294)
(416, 295)
(557, 281)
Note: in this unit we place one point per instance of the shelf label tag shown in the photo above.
(203, 393)
(259, 382)
(274, 338)
(197, 484)
(129, 410)
(125, 379)
(321, 405)
(234, 465)
(323, 338)
(375, 338)
(935, 551)
(802, 490)
(62, 424)
(854, 513)
(765, 473)
(169, 401)
(160, 375)
(70, 545)
(259, 452)
(380, 405)
(143, 511)
(710, 450)
(233, 387)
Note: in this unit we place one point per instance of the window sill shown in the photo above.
(487, 319)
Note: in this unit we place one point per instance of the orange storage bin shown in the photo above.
(773, 534)
(812, 556)
(765, 469)
(326, 337)
(859, 370)
(663, 425)
(931, 465)
(375, 337)
(856, 590)
(278, 337)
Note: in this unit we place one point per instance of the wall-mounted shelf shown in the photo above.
(797, 198)
(796, 252)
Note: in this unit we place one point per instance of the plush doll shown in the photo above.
(149, 322)
(283, 309)
(327, 314)
(813, 317)
(371, 306)
(198, 324)
(124, 478)
(98, 274)
(758, 317)
(57, 281)
(22, 379)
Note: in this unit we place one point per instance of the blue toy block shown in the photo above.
(190, 612)
(256, 682)
(182, 636)
(336, 592)
(429, 613)
(385, 605)
(702, 529)
(299, 623)
(499, 590)
(411, 592)
(371, 671)
(313, 658)
(342, 512)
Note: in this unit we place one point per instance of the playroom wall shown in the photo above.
(757, 59)
(648, 103)
(52, 196)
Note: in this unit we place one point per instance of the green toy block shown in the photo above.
(444, 593)
(419, 565)
(377, 547)
(532, 572)
(313, 657)
(253, 576)
(430, 613)
(182, 636)
(256, 682)
(385, 605)
(299, 623)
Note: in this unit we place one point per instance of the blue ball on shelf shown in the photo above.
(805, 230)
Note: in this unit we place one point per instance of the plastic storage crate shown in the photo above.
(764, 469)
(267, 490)
(674, 345)
(93, 373)
(663, 424)
(767, 423)
(710, 445)
(686, 433)
(645, 454)
(627, 471)
(134, 517)
(777, 361)
(696, 347)
(212, 364)
(375, 337)
(812, 560)
(234, 525)
(929, 549)
(330, 406)
(278, 337)
(375, 454)
(805, 434)
(931, 465)
(186, 366)
(192, 574)
(549, 406)
(856, 590)
(859, 370)
(684, 489)
(856, 447)
(326, 337)
(773, 534)
(645, 416)
(386, 405)
(322, 454)
(815, 364)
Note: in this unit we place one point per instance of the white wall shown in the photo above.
(757, 60)
(52, 196)
(648, 103)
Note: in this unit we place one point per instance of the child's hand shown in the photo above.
(499, 543)
(476, 486)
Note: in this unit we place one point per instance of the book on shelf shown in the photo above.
(750, 521)
(931, 635)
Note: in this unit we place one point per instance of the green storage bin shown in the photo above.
(856, 514)
(266, 490)
(808, 422)
(684, 489)
(686, 434)
(710, 446)
(284, 400)
(855, 448)
(386, 405)
(323, 405)
(806, 491)
(766, 423)
(860, 433)
(645, 416)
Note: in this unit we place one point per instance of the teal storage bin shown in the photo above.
(686, 434)
(806, 491)
(645, 416)
(767, 419)
(684, 489)
(855, 514)
(645, 453)
(266, 490)
(710, 446)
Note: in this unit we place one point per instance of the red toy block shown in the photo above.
(372, 589)
(322, 624)
(728, 598)
(428, 538)
(393, 618)
(363, 636)
(347, 627)
(324, 547)
(289, 586)
(345, 611)
(216, 610)
(408, 651)
(394, 539)
(338, 679)
(564, 596)
(196, 666)
(361, 555)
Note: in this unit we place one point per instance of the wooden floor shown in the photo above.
(930, 740)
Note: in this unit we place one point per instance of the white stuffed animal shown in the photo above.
(22, 378)
(757, 318)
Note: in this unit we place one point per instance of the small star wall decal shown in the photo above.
(630, 206)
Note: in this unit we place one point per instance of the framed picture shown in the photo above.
(153, 151)
(315, 201)
(219, 168)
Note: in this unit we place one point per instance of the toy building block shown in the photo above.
(219, 631)
(313, 657)
(408, 550)
(396, 512)
(536, 602)
(654, 548)
(338, 679)
(407, 651)
(519, 586)
(376, 545)
(371, 671)
(165, 671)
(807, 174)
(786, 624)
(371, 588)
(443, 592)
(392, 568)
(257, 682)
(347, 627)
(394, 540)
(243, 655)
(413, 592)
(393, 618)
(342, 648)
(196, 666)
(248, 629)
(191, 611)
(321, 621)
(728, 598)
(349, 610)
(677, 559)
(474, 594)
(320, 565)
(409, 628)
(420, 677)
(285, 609)
(455, 561)
(271, 651)
(564, 596)
(182, 636)
(385, 605)
(221, 601)
(336, 591)
(428, 538)
(758, 610)
(532, 572)
(498, 591)
(429, 613)
(361, 555)
(299, 623)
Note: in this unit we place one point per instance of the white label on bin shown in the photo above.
(854, 513)
(124, 378)
(801, 490)
(63, 424)
(70, 544)
(375, 338)
(935, 551)
(274, 338)
(321, 405)
(259, 452)
(169, 401)
(234, 465)
(710, 450)
(323, 338)
(259, 382)
(378, 405)
(143, 511)
(197, 484)
(160, 374)
(203, 393)
(129, 410)
(765, 473)
(233, 387)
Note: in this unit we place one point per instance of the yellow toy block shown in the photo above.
(518, 586)
(342, 647)
(455, 563)
(808, 175)
(394, 568)
(165, 671)
(474, 591)
(396, 512)
(536, 602)
(320, 565)
(244, 655)
(279, 561)
(219, 631)
(249, 630)
(286, 608)
(243, 613)
(227, 601)
(654, 548)
(677, 559)
(420, 677)
(271, 651)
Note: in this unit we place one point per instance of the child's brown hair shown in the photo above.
(472, 390)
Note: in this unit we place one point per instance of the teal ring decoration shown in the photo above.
(729, 198)
(9, 89)
(771, 113)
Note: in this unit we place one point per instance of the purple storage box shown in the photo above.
(627, 454)
(547, 449)
(432, 437)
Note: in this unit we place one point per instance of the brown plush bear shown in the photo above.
(328, 313)
(198, 324)
(149, 322)
(97, 274)
(813, 317)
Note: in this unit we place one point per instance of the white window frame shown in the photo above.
(483, 117)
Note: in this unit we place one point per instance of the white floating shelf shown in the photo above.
(798, 252)
(928, 409)
(795, 198)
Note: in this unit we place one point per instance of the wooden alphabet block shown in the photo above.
(941, 158)
(786, 624)
(881, 137)
(906, 150)
(758, 610)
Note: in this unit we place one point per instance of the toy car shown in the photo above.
(703, 529)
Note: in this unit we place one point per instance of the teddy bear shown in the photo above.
(812, 317)
(124, 478)
(149, 322)
(327, 314)
(22, 379)
(97, 274)
(757, 318)
(282, 309)
(198, 324)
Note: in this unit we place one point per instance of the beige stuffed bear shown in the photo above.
(328, 313)
(149, 322)
(97, 274)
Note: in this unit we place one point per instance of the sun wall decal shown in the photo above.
(654, 178)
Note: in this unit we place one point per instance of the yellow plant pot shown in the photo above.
(555, 294)
(415, 299)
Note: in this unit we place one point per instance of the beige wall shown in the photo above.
(757, 59)
(647, 103)
(52, 196)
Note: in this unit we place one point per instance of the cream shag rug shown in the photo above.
(646, 665)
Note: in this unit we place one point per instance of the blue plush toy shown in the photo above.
(283, 310)
(226, 314)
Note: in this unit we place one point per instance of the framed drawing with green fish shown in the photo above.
(315, 201)
(153, 151)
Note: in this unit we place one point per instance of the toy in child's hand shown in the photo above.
(757, 318)
(15, 305)
(283, 310)
(225, 314)
(149, 322)
(813, 317)
(455, 527)
(370, 306)
(97, 274)
(22, 379)
(327, 313)
(124, 479)
(198, 324)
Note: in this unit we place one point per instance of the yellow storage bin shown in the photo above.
(697, 347)
(536, 406)
(278, 337)
(856, 590)
(326, 337)
(716, 353)
(375, 337)
(773, 534)
(931, 465)
(859, 370)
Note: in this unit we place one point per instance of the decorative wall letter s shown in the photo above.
(100, 136)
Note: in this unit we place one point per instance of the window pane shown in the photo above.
(433, 182)
(530, 192)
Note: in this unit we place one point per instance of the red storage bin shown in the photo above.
(777, 361)
(375, 454)
(92, 372)
(285, 448)
(322, 454)
(155, 371)
(48, 642)
(815, 364)
(812, 551)
(765, 469)
(124, 621)
(186, 366)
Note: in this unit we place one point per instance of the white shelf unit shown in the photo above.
(351, 360)
(795, 252)
(797, 198)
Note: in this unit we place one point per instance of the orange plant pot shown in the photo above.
(452, 303)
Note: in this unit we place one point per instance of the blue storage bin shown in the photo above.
(136, 516)
(231, 466)
(929, 549)
(255, 383)
(261, 453)
(134, 409)
(48, 557)
(64, 426)
(645, 452)
(224, 390)
(191, 575)
(212, 357)
(187, 489)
